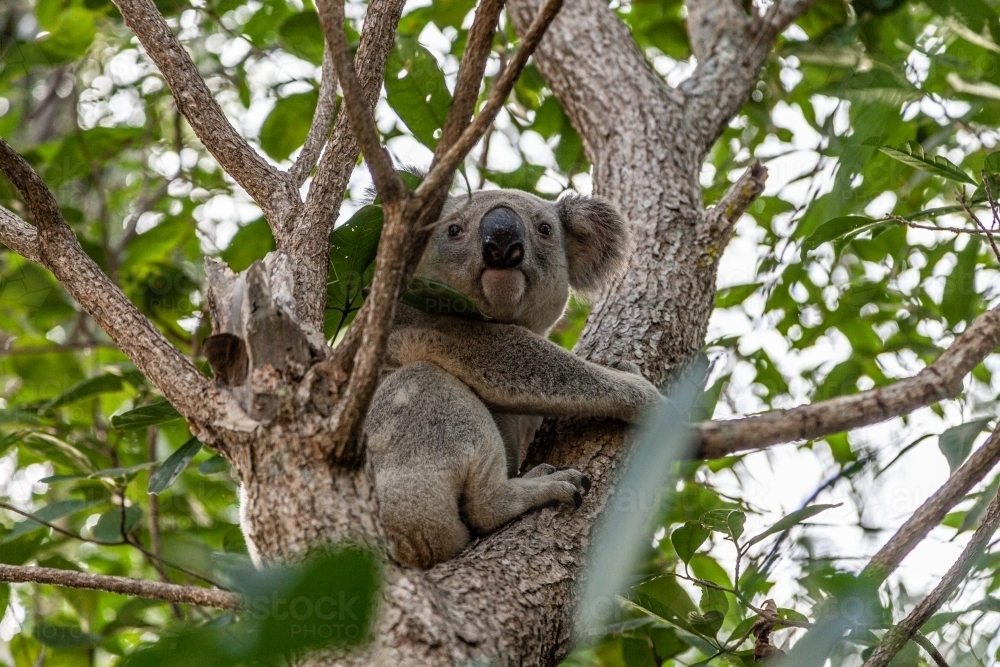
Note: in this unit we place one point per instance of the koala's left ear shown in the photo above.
(598, 241)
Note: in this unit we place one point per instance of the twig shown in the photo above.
(58, 250)
(61, 531)
(388, 183)
(444, 169)
(319, 131)
(737, 199)
(975, 219)
(151, 590)
(933, 510)
(271, 189)
(940, 380)
(894, 640)
(953, 230)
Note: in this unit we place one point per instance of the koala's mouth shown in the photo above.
(503, 290)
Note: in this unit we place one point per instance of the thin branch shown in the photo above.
(976, 221)
(952, 230)
(273, 191)
(319, 131)
(926, 644)
(444, 170)
(470, 75)
(19, 236)
(933, 510)
(737, 199)
(151, 590)
(181, 382)
(308, 240)
(388, 183)
(55, 349)
(894, 640)
(940, 380)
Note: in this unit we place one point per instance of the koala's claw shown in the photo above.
(586, 483)
(577, 499)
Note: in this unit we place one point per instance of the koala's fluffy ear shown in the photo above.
(598, 241)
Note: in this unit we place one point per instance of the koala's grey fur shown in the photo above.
(450, 423)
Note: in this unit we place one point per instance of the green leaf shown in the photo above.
(64, 636)
(109, 526)
(956, 442)
(58, 451)
(712, 599)
(70, 36)
(172, 468)
(791, 519)
(850, 225)
(960, 302)
(911, 153)
(438, 298)
(725, 521)
(665, 598)
(286, 127)
(688, 538)
(416, 90)
(727, 297)
(353, 246)
(301, 35)
(252, 242)
(524, 177)
(49, 513)
(707, 624)
(100, 384)
(147, 415)
(4, 598)
(213, 466)
(978, 510)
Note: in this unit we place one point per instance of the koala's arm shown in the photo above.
(514, 370)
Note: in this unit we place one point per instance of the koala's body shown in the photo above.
(460, 401)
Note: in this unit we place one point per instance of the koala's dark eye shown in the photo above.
(454, 231)
(545, 229)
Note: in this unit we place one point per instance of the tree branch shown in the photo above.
(940, 380)
(194, 395)
(444, 170)
(470, 75)
(933, 510)
(273, 191)
(727, 212)
(730, 47)
(896, 638)
(18, 235)
(388, 183)
(319, 131)
(151, 590)
(307, 240)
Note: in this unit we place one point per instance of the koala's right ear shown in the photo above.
(598, 241)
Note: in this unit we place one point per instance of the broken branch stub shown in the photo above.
(257, 345)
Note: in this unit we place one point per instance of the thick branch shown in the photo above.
(721, 219)
(897, 637)
(151, 590)
(731, 47)
(388, 183)
(319, 131)
(182, 384)
(444, 170)
(940, 380)
(273, 191)
(18, 235)
(307, 240)
(934, 509)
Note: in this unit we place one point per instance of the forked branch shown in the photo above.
(273, 191)
(151, 590)
(319, 130)
(896, 638)
(940, 380)
(57, 249)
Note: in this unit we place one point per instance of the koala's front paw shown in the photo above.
(627, 366)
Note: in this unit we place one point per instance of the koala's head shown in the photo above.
(517, 255)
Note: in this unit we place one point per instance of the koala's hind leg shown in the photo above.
(491, 499)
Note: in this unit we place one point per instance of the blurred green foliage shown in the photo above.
(866, 108)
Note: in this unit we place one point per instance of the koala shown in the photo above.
(460, 401)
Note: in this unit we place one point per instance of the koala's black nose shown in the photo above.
(503, 238)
